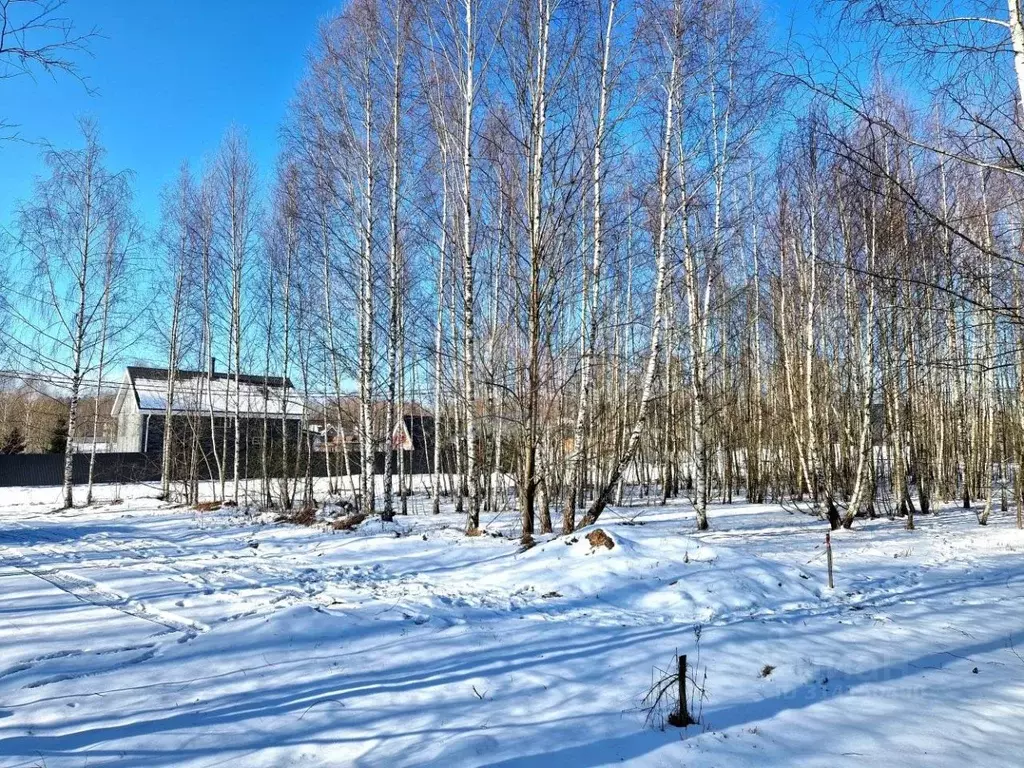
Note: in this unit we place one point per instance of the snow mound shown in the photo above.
(674, 576)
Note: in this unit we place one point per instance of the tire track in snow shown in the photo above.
(89, 592)
(146, 655)
(208, 578)
(117, 662)
(118, 555)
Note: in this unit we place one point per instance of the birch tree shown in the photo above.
(669, 38)
(236, 176)
(394, 42)
(80, 209)
(589, 302)
(177, 244)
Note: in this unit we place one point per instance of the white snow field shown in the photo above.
(145, 634)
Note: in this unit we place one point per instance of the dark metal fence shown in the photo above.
(37, 469)
(40, 469)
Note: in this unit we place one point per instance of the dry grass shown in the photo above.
(304, 516)
(350, 522)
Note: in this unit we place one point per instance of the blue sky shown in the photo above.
(170, 77)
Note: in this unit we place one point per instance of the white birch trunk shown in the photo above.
(662, 277)
(589, 302)
(469, 376)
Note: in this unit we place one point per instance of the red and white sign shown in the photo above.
(400, 439)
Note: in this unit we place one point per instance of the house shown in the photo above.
(89, 445)
(412, 434)
(272, 416)
(203, 403)
(328, 439)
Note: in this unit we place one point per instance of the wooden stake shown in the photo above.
(684, 715)
(828, 552)
(681, 719)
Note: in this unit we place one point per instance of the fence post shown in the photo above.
(681, 719)
(828, 552)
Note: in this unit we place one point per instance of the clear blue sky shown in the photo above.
(170, 77)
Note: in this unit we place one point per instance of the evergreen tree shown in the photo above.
(58, 436)
(13, 442)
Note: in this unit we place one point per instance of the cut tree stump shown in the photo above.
(598, 538)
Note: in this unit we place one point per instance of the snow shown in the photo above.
(145, 634)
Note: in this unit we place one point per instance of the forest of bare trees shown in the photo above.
(620, 250)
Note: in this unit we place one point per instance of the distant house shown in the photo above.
(87, 446)
(412, 434)
(415, 435)
(330, 439)
(272, 414)
(201, 402)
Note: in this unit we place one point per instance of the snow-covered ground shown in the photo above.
(145, 634)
